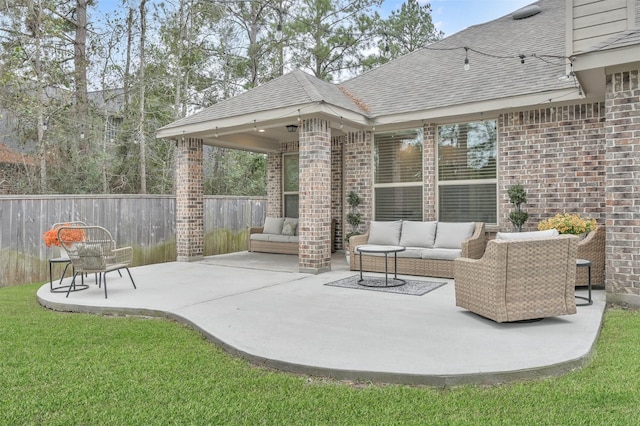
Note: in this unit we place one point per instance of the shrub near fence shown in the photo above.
(145, 222)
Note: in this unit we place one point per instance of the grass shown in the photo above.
(61, 368)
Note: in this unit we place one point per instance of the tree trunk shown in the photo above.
(141, 118)
(80, 66)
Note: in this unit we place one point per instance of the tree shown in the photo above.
(329, 37)
(405, 30)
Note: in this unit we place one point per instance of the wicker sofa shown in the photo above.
(519, 279)
(279, 235)
(274, 236)
(431, 247)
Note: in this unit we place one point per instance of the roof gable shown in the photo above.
(288, 91)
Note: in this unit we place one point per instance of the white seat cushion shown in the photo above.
(273, 225)
(385, 233)
(418, 234)
(283, 238)
(441, 254)
(450, 235)
(260, 237)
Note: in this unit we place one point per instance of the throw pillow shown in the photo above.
(418, 234)
(452, 234)
(385, 233)
(527, 235)
(273, 225)
(289, 227)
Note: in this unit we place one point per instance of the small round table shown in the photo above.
(375, 249)
(63, 288)
(584, 263)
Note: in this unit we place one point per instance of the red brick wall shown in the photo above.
(558, 156)
(429, 172)
(274, 184)
(358, 175)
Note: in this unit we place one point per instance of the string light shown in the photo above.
(521, 58)
(466, 59)
(341, 123)
(216, 133)
(255, 128)
(299, 119)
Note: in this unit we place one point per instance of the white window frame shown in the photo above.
(285, 193)
(464, 182)
(399, 184)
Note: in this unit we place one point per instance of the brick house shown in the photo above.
(547, 97)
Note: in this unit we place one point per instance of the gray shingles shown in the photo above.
(433, 77)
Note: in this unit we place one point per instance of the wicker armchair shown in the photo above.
(91, 250)
(592, 248)
(519, 279)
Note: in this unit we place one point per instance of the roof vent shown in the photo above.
(526, 12)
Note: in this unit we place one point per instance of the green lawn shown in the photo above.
(61, 368)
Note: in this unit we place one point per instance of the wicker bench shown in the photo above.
(416, 260)
(275, 241)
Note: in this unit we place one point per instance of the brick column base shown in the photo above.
(189, 200)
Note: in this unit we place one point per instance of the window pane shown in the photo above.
(468, 203)
(467, 151)
(403, 202)
(291, 173)
(291, 205)
(398, 156)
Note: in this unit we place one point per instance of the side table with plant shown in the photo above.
(354, 218)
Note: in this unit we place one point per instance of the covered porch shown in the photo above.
(258, 306)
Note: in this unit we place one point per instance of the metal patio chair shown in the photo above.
(92, 250)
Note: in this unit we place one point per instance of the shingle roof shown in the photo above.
(434, 77)
(290, 90)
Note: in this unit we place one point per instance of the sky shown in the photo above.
(451, 16)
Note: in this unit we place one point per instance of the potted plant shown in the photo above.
(354, 218)
(568, 223)
(50, 237)
(517, 196)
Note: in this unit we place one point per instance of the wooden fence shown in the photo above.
(145, 222)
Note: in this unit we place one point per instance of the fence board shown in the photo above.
(146, 223)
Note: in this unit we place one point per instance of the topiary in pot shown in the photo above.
(354, 218)
(517, 196)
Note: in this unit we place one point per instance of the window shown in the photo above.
(398, 175)
(290, 178)
(467, 177)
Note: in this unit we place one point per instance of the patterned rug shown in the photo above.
(412, 287)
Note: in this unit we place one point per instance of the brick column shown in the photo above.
(315, 196)
(623, 187)
(189, 200)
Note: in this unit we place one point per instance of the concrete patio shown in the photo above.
(259, 307)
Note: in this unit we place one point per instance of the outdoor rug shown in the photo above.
(413, 288)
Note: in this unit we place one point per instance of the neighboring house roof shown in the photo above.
(9, 156)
